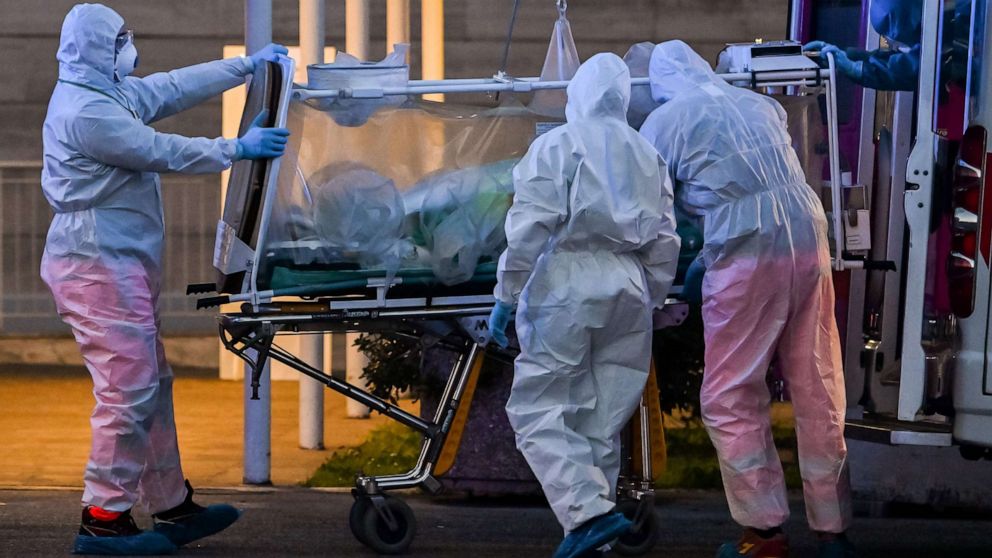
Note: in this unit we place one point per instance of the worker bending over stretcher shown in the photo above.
(103, 264)
(592, 250)
(767, 293)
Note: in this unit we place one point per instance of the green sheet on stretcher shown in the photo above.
(284, 277)
(341, 282)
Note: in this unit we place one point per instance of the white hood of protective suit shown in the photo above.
(86, 48)
(676, 68)
(600, 89)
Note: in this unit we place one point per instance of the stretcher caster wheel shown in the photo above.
(644, 535)
(387, 527)
(357, 515)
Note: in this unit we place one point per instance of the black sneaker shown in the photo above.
(118, 537)
(190, 521)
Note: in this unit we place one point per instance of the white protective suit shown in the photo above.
(103, 255)
(592, 249)
(767, 291)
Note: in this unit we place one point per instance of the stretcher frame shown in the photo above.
(459, 322)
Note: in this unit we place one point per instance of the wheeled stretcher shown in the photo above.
(381, 219)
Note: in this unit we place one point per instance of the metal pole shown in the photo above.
(432, 39)
(397, 23)
(356, 22)
(311, 417)
(356, 361)
(258, 414)
(836, 201)
(358, 45)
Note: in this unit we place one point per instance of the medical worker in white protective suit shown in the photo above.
(591, 251)
(767, 294)
(102, 262)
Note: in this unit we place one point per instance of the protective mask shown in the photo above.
(127, 61)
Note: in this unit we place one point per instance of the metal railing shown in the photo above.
(191, 206)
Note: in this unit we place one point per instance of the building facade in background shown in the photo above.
(183, 32)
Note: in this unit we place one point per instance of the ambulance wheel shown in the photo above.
(357, 515)
(391, 534)
(638, 541)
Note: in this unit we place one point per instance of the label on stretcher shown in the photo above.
(231, 255)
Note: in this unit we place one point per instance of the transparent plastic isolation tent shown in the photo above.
(380, 190)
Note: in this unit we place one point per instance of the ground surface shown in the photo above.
(306, 522)
(45, 431)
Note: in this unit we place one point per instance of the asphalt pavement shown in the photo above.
(306, 522)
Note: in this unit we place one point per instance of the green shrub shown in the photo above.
(394, 365)
(389, 449)
(678, 358)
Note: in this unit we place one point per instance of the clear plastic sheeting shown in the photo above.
(360, 211)
(421, 187)
(560, 64)
(348, 72)
(461, 215)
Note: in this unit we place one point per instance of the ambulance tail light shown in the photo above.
(969, 234)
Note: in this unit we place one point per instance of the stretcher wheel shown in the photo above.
(638, 541)
(356, 516)
(386, 536)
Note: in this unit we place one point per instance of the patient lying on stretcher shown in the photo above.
(448, 222)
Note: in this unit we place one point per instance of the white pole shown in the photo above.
(397, 23)
(432, 42)
(258, 414)
(356, 16)
(357, 44)
(356, 361)
(311, 346)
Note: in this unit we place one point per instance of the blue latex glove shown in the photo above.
(692, 287)
(845, 65)
(262, 143)
(268, 53)
(498, 320)
(816, 46)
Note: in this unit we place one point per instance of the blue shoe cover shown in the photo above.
(147, 543)
(727, 550)
(212, 520)
(836, 548)
(592, 535)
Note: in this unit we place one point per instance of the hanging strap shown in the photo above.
(126, 107)
(509, 37)
(562, 7)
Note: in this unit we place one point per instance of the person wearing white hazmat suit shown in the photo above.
(767, 294)
(103, 264)
(591, 251)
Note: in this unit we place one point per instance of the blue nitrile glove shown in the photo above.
(843, 62)
(692, 287)
(268, 53)
(816, 46)
(262, 143)
(498, 320)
